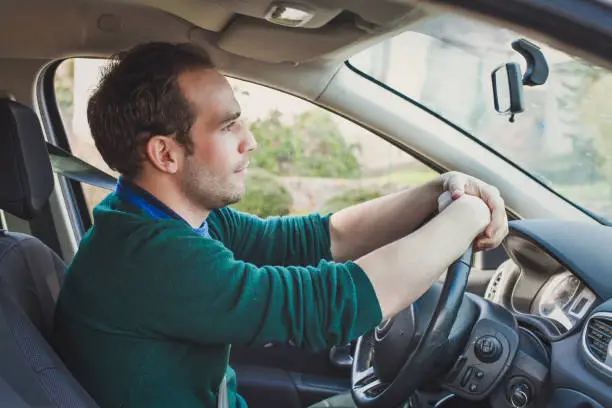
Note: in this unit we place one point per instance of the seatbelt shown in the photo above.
(222, 401)
(69, 166)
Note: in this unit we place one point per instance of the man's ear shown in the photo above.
(164, 153)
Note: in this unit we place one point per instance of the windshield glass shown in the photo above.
(564, 135)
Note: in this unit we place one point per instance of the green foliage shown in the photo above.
(585, 162)
(597, 114)
(64, 83)
(265, 196)
(351, 197)
(581, 165)
(312, 146)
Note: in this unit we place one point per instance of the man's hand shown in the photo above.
(457, 184)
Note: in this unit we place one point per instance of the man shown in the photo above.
(169, 277)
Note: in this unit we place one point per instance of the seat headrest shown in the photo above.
(26, 178)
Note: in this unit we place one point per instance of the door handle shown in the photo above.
(341, 357)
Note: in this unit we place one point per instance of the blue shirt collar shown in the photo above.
(147, 202)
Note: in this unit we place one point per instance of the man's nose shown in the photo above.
(249, 143)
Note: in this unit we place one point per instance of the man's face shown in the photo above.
(213, 176)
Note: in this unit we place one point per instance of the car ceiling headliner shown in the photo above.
(242, 42)
(237, 28)
(52, 29)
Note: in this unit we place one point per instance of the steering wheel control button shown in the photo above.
(488, 348)
(454, 372)
(466, 376)
(490, 351)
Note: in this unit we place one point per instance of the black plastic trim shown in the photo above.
(568, 398)
(569, 369)
(580, 247)
(54, 119)
(494, 321)
(43, 227)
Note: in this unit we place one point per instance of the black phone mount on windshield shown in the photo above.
(537, 67)
(508, 82)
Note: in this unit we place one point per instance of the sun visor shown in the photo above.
(266, 42)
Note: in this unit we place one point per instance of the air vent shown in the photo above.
(493, 285)
(597, 337)
(502, 282)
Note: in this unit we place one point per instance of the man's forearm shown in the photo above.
(403, 270)
(362, 228)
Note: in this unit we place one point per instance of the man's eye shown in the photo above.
(229, 126)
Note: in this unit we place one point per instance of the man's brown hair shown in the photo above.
(139, 97)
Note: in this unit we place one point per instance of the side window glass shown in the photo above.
(308, 159)
(311, 160)
(75, 79)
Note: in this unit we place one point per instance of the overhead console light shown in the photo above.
(288, 15)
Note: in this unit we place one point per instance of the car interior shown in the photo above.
(526, 325)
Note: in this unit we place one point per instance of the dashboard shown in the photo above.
(558, 284)
(565, 299)
(546, 289)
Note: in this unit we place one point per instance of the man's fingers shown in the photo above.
(484, 242)
(456, 185)
(444, 200)
(487, 242)
(497, 229)
(497, 206)
(482, 246)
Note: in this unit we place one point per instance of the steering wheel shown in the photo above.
(403, 354)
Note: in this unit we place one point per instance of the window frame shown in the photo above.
(72, 190)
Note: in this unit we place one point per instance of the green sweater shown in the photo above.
(149, 308)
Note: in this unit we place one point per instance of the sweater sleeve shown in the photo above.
(290, 240)
(209, 297)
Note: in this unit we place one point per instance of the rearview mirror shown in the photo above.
(508, 89)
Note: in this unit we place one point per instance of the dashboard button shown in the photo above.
(478, 374)
(458, 367)
(473, 387)
(488, 349)
(466, 376)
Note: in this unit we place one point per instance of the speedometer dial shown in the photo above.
(558, 293)
(555, 297)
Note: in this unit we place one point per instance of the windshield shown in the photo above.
(564, 136)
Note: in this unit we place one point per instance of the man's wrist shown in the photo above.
(429, 193)
(433, 189)
(436, 186)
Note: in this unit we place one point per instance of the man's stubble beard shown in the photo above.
(207, 190)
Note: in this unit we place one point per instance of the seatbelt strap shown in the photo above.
(67, 165)
(222, 401)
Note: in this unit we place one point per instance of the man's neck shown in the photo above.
(171, 195)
